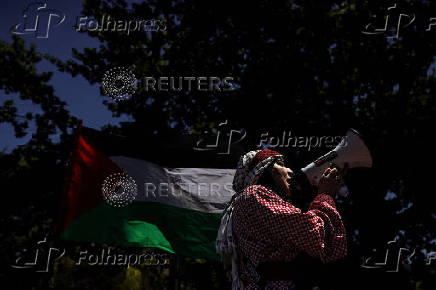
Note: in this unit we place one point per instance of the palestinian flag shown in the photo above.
(157, 193)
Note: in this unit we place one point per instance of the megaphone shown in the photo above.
(351, 150)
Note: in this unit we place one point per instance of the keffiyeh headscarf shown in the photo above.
(250, 168)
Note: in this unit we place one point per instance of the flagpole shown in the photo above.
(68, 177)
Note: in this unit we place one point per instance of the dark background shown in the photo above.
(299, 66)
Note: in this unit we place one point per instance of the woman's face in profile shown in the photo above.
(282, 177)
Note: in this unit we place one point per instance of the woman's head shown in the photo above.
(278, 178)
(252, 165)
(267, 168)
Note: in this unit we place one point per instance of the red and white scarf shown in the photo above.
(250, 168)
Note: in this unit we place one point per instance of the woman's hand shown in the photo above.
(332, 180)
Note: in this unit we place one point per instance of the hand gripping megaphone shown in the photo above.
(351, 150)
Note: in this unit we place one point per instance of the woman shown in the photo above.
(262, 232)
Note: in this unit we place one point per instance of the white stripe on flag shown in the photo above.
(201, 189)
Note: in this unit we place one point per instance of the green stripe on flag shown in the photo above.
(149, 224)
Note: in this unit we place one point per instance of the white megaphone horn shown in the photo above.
(351, 150)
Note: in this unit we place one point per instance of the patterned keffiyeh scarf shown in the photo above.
(250, 168)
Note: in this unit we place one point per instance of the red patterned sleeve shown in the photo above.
(319, 232)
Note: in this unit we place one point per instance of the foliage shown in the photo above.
(298, 65)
